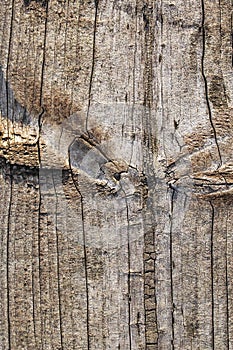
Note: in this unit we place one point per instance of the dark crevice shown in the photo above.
(40, 167)
(44, 55)
(41, 86)
(134, 79)
(129, 274)
(11, 183)
(58, 265)
(39, 256)
(138, 324)
(84, 247)
(149, 24)
(33, 304)
(7, 67)
(117, 176)
(33, 286)
(148, 75)
(173, 196)
(206, 83)
(150, 277)
(212, 270)
(93, 64)
(227, 286)
(129, 277)
(43, 3)
(39, 133)
(220, 21)
(232, 39)
(8, 260)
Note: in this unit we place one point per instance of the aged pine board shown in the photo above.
(116, 175)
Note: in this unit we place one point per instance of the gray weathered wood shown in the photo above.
(116, 175)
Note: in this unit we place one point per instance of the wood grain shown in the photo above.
(116, 175)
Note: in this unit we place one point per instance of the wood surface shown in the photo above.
(116, 175)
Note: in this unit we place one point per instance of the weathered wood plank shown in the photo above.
(116, 175)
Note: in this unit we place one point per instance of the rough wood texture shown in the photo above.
(116, 175)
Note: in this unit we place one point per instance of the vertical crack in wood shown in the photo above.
(212, 269)
(65, 57)
(41, 85)
(134, 80)
(149, 286)
(7, 67)
(93, 64)
(220, 21)
(58, 265)
(135, 50)
(39, 133)
(40, 167)
(150, 266)
(171, 266)
(11, 181)
(149, 42)
(205, 81)
(227, 286)
(84, 248)
(159, 18)
(39, 258)
(129, 267)
(148, 19)
(34, 294)
(151, 324)
(44, 55)
(231, 39)
(8, 259)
